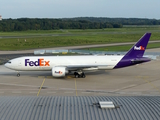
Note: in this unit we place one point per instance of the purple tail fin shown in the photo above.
(139, 48)
(135, 54)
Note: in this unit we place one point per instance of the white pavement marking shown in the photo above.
(123, 88)
(18, 89)
(85, 92)
(127, 87)
(51, 92)
(33, 92)
(16, 92)
(122, 92)
(18, 85)
(68, 92)
(67, 89)
(136, 93)
(101, 93)
(115, 90)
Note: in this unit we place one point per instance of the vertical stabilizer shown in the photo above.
(139, 48)
(135, 54)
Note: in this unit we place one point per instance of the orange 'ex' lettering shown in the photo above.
(41, 62)
(47, 63)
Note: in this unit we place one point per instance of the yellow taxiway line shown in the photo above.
(149, 82)
(75, 86)
(40, 87)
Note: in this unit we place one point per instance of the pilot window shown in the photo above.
(9, 61)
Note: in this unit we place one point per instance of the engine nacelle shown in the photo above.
(59, 71)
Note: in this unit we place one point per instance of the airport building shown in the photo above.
(80, 108)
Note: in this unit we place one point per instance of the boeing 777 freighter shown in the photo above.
(62, 65)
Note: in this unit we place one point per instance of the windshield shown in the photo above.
(9, 62)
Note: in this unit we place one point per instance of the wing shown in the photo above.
(81, 67)
(85, 67)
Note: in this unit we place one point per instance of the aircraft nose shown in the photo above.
(6, 65)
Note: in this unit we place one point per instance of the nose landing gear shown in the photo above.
(18, 74)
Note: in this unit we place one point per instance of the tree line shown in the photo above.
(24, 24)
(123, 21)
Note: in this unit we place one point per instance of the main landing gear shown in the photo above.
(79, 75)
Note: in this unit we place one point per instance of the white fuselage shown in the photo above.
(42, 63)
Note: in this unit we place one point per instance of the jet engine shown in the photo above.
(59, 71)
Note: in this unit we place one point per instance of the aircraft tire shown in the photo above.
(18, 75)
(83, 76)
(76, 76)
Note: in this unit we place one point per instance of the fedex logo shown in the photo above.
(39, 62)
(139, 48)
(59, 72)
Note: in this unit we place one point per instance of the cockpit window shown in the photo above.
(9, 62)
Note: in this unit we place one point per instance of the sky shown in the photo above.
(80, 8)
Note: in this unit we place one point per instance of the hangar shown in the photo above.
(79, 108)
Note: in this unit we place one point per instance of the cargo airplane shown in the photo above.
(60, 66)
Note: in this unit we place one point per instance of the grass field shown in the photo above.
(122, 47)
(54, 38)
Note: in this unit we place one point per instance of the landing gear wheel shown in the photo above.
(76, 76)
(83, 75)
(18, 74)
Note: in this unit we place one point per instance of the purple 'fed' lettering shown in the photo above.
(31, 63)
(26, 61)
(35, 63)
